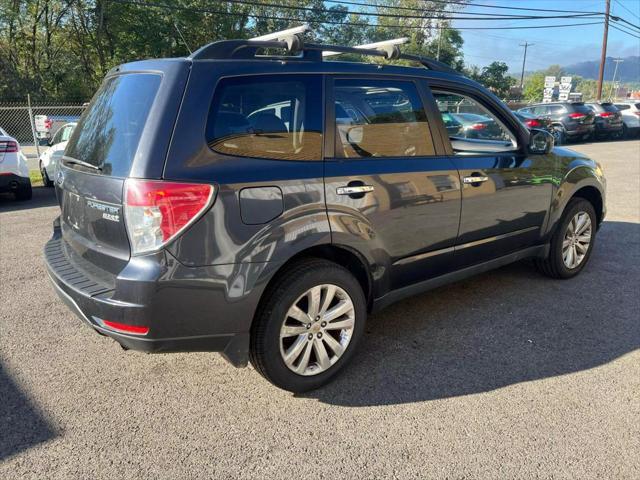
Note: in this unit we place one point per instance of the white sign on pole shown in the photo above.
(549, 82)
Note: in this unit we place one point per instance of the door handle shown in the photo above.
(475, 179)
(354, 189)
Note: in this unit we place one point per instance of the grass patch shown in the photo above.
(36, 178)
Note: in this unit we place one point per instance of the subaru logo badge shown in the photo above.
(60, 178)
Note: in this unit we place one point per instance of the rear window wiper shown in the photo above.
(75, 161)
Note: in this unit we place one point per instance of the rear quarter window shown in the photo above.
(109, 131)
(267, 116)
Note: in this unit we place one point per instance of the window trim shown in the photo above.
(509, 120)
(330, 114)
(286, 76)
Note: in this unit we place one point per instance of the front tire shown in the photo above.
(308, 326)
(572, 242)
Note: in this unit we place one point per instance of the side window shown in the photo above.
(57, 137)
(558, 110)
(66, 133)
(380, 118)
(541, 110)
(274, 117)
(473, 122)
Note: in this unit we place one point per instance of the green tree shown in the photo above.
(534, 87)
(494, 77)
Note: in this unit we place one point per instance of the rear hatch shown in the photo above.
(611, 114)
(124, 132)
(581, 114)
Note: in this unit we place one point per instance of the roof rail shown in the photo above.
(298, 49)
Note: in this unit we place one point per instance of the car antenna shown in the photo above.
(182, 37)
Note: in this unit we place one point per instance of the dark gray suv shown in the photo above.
(262, 206)
(569, 120)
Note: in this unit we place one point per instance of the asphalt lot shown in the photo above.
(505, 375)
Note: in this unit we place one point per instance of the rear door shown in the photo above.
(114, 139)
(388, 193)
(506, 194)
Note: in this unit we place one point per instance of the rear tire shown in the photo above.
(45, 178)
(302, 355)
(24, 192)
(559, 135)
(569, 251)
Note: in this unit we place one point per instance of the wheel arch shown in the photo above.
(344, 256)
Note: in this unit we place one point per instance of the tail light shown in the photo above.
(637, 113)
(8, 146)
(577, 116)
(607, 114)
(532, 123)
(156, 212)
(125, 328)
(478, 126)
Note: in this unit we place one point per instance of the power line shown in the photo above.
(335, 22)
(512, 8)
(620, 4)
(392, 15)
(619, 19)
(620, 29)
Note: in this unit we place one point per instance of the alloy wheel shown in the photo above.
(577, 239)
(317, 329)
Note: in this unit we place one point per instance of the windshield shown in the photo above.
(108, 132)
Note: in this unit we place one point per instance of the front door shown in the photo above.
(505, 193)
(387, 192)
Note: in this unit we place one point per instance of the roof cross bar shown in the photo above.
(384, 45)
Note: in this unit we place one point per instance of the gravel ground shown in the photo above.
(505, 375)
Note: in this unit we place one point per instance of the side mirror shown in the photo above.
(355, 134)
(540, 142)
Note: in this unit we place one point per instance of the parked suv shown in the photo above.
(263, 206)
(570, 120)
(630, 111)
(608, 120)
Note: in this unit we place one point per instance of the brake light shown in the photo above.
(156, 211)
(577, 116)
(478, 126)
(8, 146)
(532, 123)
(606, 114)
(125, 328)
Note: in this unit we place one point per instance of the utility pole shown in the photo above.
(524, 61)
(613, 81)
(603, 56)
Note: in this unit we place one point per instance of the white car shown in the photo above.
(630, 111)
(50, 158)
(14, 173)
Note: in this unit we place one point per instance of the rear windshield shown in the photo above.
(581, 108)
(109, 130)
(609, 107)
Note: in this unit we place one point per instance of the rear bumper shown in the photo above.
(11, 182)
(580, 130)
(186, 309)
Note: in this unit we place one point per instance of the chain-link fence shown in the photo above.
(36, 123)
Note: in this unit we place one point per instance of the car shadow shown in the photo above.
(42, 197)
(22, 426)
(498, 329)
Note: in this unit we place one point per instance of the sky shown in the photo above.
(562, 46)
